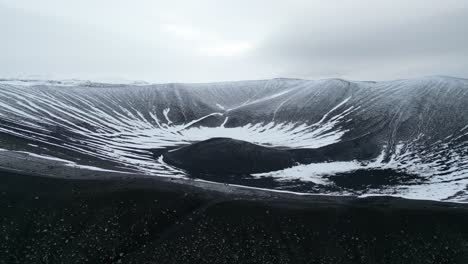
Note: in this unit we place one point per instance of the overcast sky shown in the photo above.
(221, 40)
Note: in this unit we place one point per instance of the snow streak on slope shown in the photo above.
(420, 126)
(99, 126)
(439, 181)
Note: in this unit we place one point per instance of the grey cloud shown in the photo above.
(348, 47)
(359, 39)
(50, 46)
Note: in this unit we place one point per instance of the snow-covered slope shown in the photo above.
(418, 127)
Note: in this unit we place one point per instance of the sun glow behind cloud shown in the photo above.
(206, 43)
(226, 49)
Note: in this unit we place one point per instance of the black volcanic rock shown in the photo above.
(229, 156)
(51, 220)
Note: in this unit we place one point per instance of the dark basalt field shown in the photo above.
(44, 220)
(226, 160)
(226, 155)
